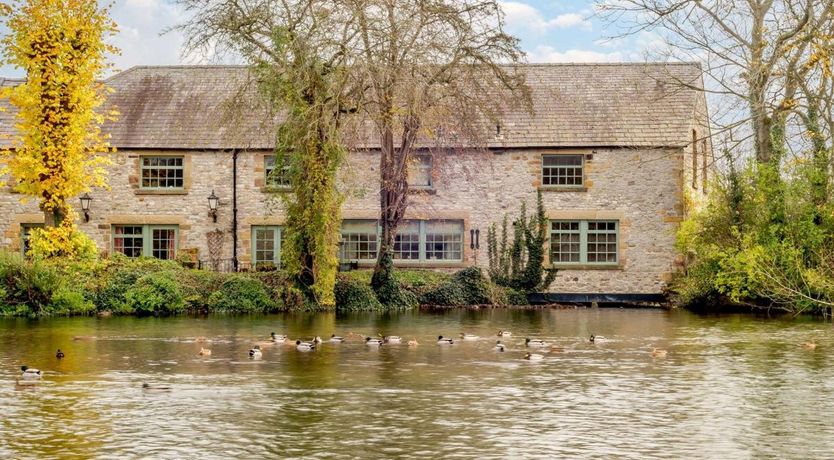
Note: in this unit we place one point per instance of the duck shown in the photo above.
(413, 343)
(499, 346)
(392, 339)
(657, 353)
(535, 343)
(304, 346)
(533, 357)
(336, 339)
(505, 334)
(597, 339)
(444, 340)
(469, 337)
(59, 354)
(317, 339)
(155, 387)
(205, 351)
(255, 352)
(277, 338)
(30, 375)
(809, 346)
(372, 342)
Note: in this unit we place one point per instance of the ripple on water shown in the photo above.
(736, 388)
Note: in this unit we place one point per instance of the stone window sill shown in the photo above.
(562, 188)
(587, 267)
(179, 191)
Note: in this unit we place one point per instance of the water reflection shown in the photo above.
(730, 387)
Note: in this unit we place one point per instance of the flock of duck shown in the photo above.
(33, 376)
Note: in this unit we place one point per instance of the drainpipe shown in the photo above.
(234, 210)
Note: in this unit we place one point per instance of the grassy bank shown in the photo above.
(146, 286)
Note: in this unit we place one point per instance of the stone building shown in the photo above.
(617, 150)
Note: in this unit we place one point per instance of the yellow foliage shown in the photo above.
(62, 241)
(58, 150)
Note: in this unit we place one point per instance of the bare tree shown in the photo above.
(747, 46)
(420, 73)
(436, 71)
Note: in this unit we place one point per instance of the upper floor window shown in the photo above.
(584, 242)
(162, 172)
(25, 235)
(266, 245)
(419, 172)
(158, 241)
(563, 170)
(277, 177)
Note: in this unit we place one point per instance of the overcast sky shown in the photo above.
(550, 31)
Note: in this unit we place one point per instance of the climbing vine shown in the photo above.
(308, 143)
(521, 264)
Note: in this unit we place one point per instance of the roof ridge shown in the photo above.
(623, 63)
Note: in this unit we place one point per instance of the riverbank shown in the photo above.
(147, 286)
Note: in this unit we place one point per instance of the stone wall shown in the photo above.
(641, 188)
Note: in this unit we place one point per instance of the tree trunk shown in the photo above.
(387, 206)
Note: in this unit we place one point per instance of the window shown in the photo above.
(359, 240)
(565, 242)
(416, 241)
(584, 242)
(162, 172)
(419, 172)
(277, 178)
(407, 241)
(562, 170)
(25, 233)
(444, 240)
(266, 245)
(158, 241)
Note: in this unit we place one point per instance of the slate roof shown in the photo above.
(575, 105)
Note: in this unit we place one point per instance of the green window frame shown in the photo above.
(416, 241)
(563, 170)
(134, 240)
(25, 234)
(266, 245)
(420, 172)
(276, 179)
(585, 242)
(360, 240)
(162, 172)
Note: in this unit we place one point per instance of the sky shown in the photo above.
(550, 31)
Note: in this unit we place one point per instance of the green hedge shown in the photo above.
(240, 293)
(154, 287)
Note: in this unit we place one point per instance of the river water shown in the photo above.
(729, 387)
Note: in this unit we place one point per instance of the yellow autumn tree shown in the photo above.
(58, 150)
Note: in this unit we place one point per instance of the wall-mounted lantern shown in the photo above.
(213, 202)
(86, 200)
